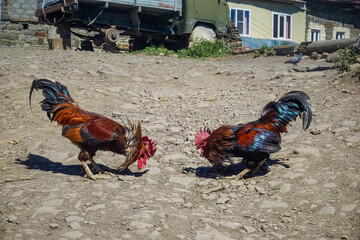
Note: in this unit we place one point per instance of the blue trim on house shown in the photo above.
(255, 43)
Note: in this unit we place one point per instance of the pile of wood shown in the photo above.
(233, 38)
(327, 46)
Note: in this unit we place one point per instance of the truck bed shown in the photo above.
(165, 5)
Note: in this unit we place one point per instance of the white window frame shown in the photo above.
(272, 26)
(318, 31)
(343, 34)
(236, 9)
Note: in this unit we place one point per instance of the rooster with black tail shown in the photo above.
(91, 131)
(254, 141)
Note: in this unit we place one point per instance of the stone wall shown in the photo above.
(23, 34)
(18, 10)
(19, 25)
(330, 18)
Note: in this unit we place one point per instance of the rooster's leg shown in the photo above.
(96, 168)
(88, 171)
(257, 169)
(240, 175)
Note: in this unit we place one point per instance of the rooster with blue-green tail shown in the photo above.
(256, 140)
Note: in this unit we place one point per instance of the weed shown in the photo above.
(269, 51)
(206, 49)
(348, 56)
(155, 51)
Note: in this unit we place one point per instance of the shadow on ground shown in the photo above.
(38, 162)
(210, 172)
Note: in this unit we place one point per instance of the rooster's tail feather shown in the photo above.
(288, 107)
(54, 94)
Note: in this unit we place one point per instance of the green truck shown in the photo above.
(145, 21)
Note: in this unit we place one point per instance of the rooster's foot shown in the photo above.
(89, 174)
(240, 175)
(97, 169)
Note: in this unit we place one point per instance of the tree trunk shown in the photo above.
(286, 50)
(328, 46)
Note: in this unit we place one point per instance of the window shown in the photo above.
(241, 18)
(281, 26)
(340, 35)
(315, 35)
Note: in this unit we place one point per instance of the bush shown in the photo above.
(269, 51)
(206, 49)
(348, 56)
(156, 50)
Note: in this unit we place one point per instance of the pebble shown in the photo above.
(278, 235)
(348, 208)
(260, 190)
(223, 200)
(11, 218)
(273, 204)
(73, 235)
(284, 188)
(310, 152)
(330, 185)
(340, 130)
(210, 233)
(175, 157)
(75, 225)
(348, 123)
(154, 170)
(328, 210)
(45, 210)
(309, 181)
(249, 229)
(54, 225)
(187, 182)
(74, 219)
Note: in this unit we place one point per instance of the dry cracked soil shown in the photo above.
(308, 190)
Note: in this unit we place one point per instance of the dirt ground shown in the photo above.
(308, 190)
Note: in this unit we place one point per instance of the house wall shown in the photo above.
(19, 25)
(18, 10)
(332, 18)
(261, 21)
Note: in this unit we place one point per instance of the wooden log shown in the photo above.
(286, 50)
(329, 46)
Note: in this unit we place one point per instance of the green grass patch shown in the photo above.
(204, 49)
(156, 51)
(264, 50)
(348, 57)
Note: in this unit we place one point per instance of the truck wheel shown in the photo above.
(201, 33)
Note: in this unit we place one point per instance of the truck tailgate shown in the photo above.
(171, 5)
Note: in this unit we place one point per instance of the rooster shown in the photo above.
(91, 131)
(254, 141)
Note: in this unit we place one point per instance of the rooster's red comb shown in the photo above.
(201, 135)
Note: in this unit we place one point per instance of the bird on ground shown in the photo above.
(295, 60)
(91, 131)
(256, 140)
